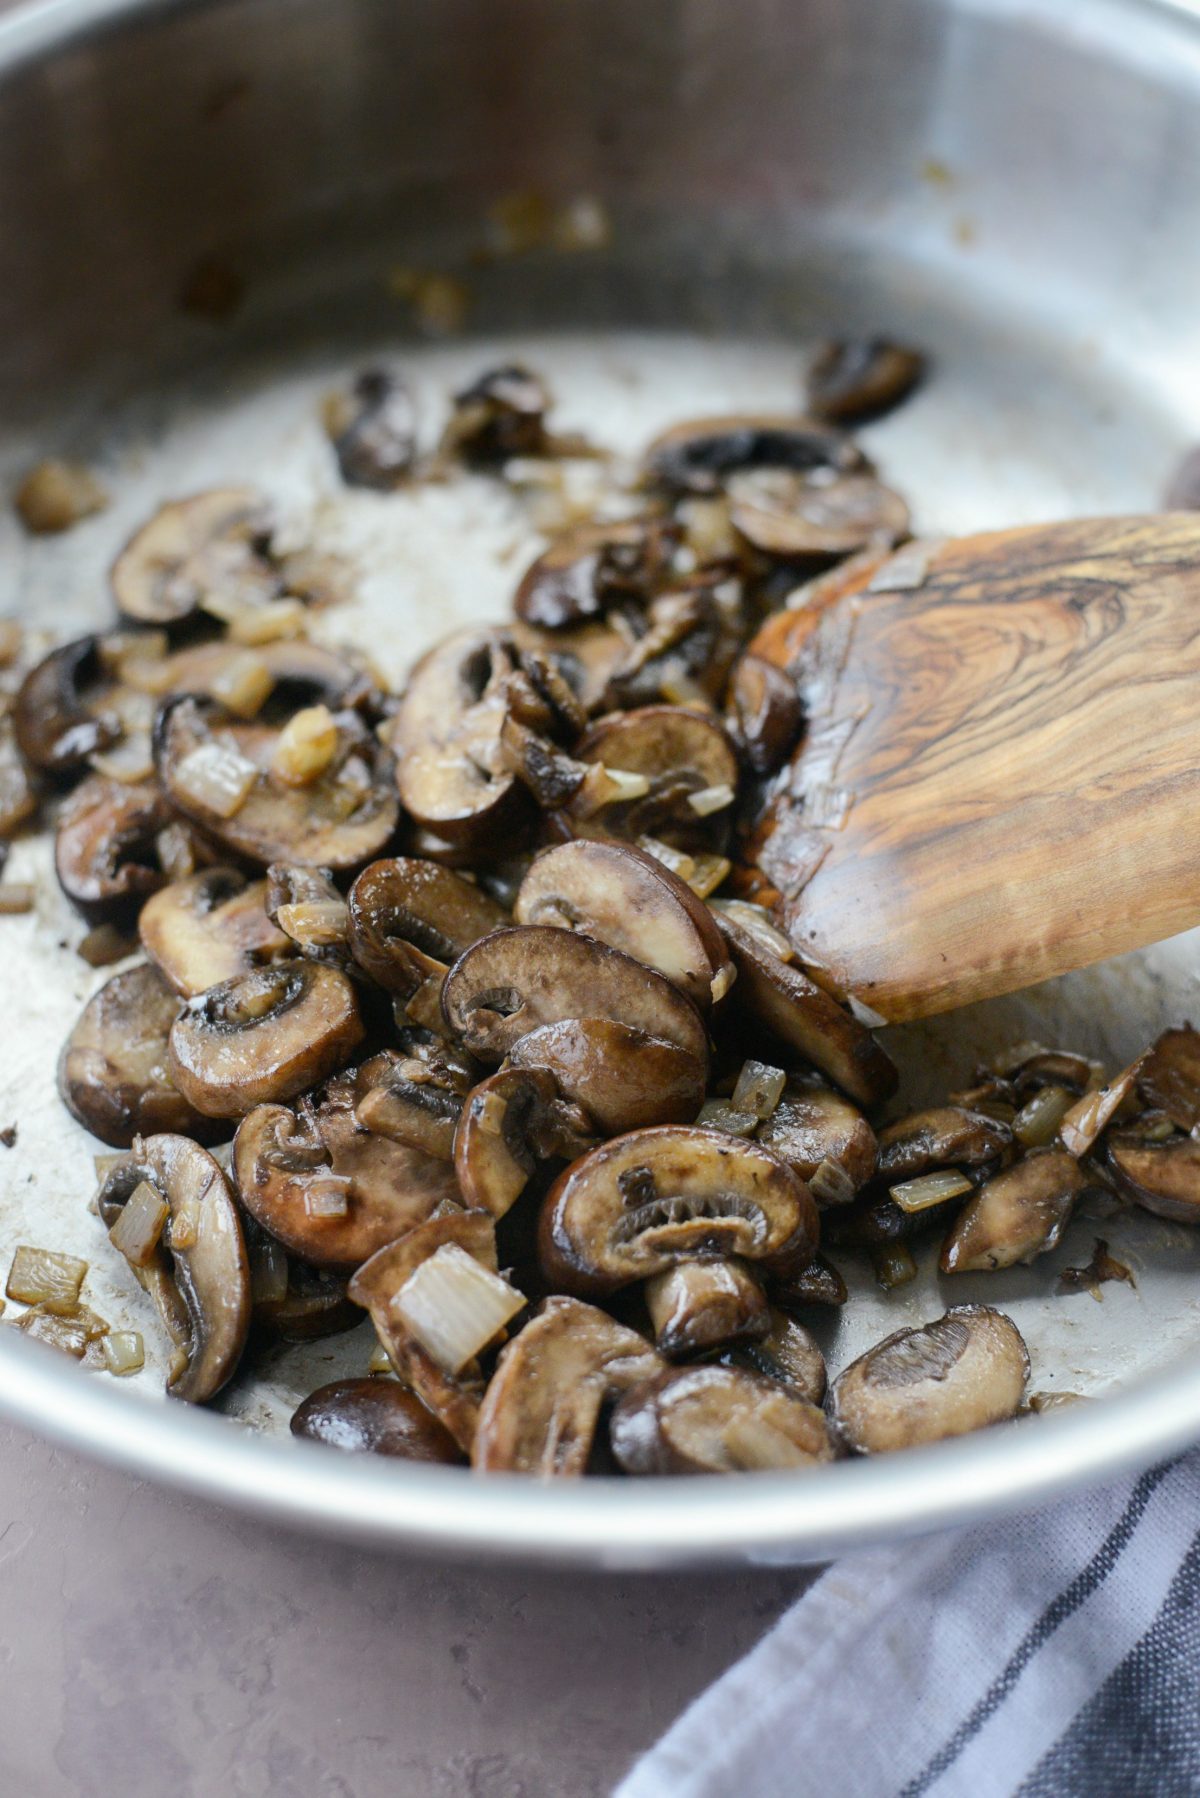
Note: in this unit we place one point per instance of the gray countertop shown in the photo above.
(151, 1644)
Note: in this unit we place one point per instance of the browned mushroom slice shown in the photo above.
(446, 736)
(330, 1191)
(105, 847)
(58, 725)
(627, 899)
(1029, 1068)
(700, 1305)
(197, 1272)
(516, 980)
(660, 771)
(373, 431)
(436, 1301)
(787, 1353)
(500, 415)
(192, 549)
(550, 1388)
(717, 1420)
(645, 1201)
(409, 919)
(623, 1079)
(594, 568)
(764, 713)
(779, 996)
(509, 1123)
(263, 1036)
(417, 1098)
(790, 515)
(1016, 1216)
(700, 455)
(113, 1074)
(819, 1283)
(960, 1373)
(18, 793)
(861, 377)
(587, 655)
(284, 676)
(225, 777)
(208, 928)
(825, 1138)
(1163, 1177)
(374, 1416)
(1169, 1078)
(945, 1136)
(691, 634)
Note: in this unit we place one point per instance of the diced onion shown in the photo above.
(931, 1189)
(69, 1334)
(755, 920)
(306, 747)
(721, 981)
(719, 1114)
(244, 685)
(490, 1114)
(677, 860)
(129, 761)
(711, 799)
(831, 1184)
(123, 1351)
(759, 1088)
(381, 1361)
(138, 1229)
(327, 1195)
(425, 1006)
(267, 623)
(1037, 1123)
(38, 1275)
(603, 786)
(216, 776)
(315, 923)
(454, 1306)
(708, 873)
(268, 1272)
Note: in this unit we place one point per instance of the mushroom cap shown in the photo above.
(717, 1420)
(699, 454)
(858, 378)
(264, 1036)
(594, 565)
(104, 846)
(543, 1403)
(624, 1079)
(1160, 1177)
(410, 917)
(210, 927)
(375, 1416)
(202, 1290)
(961, 1372)
(943, 1136)
(516, 980)
(282, 1158)
(114, 1072)
(680, 752)
(189, 548)
(56, 728)
(642, 1202)
(1016, 1215)
(623, 897)
(510, 1122)
(700, 1305)
(785, 513)
(374, 431)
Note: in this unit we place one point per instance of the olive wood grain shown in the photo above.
(1000, 779)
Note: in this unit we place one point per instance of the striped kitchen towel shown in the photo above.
(1047, 1656)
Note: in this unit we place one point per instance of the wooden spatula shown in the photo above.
(1001, 775)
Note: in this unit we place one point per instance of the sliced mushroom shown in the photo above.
(691, 634)
(790, 515)
(779, 996)
(446, 736)
(515, 980)
(114, 1074)
(699, 455)
(416, 1098)
(373, 430)
(643, 1202)
(596, 568)
(685, 778)
(1016, 1216)
(1169, 1077)
(289, 674)
(1031, 1069)
(210, 927)
(409, 919)
(510, 1122)
(58, 723)
(106, 846)
(788, 1354)
(222, 775)
(384, 1287)
(500, 415)
(625, 898)
(700, 1305)
(198, 1275)
(960, 1373)
(374, 1416)
(193, 549)
(263, 1036)
(717, 1420)
(623, 1079)
(945, 1136)
(1163, 1177)
(551, 1385)
(819, 1283)
(18, 791)
(825, 1138)
(331, 1191)
(861, 377)
(764, 713)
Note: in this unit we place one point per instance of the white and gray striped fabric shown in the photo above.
(1049, 1656)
